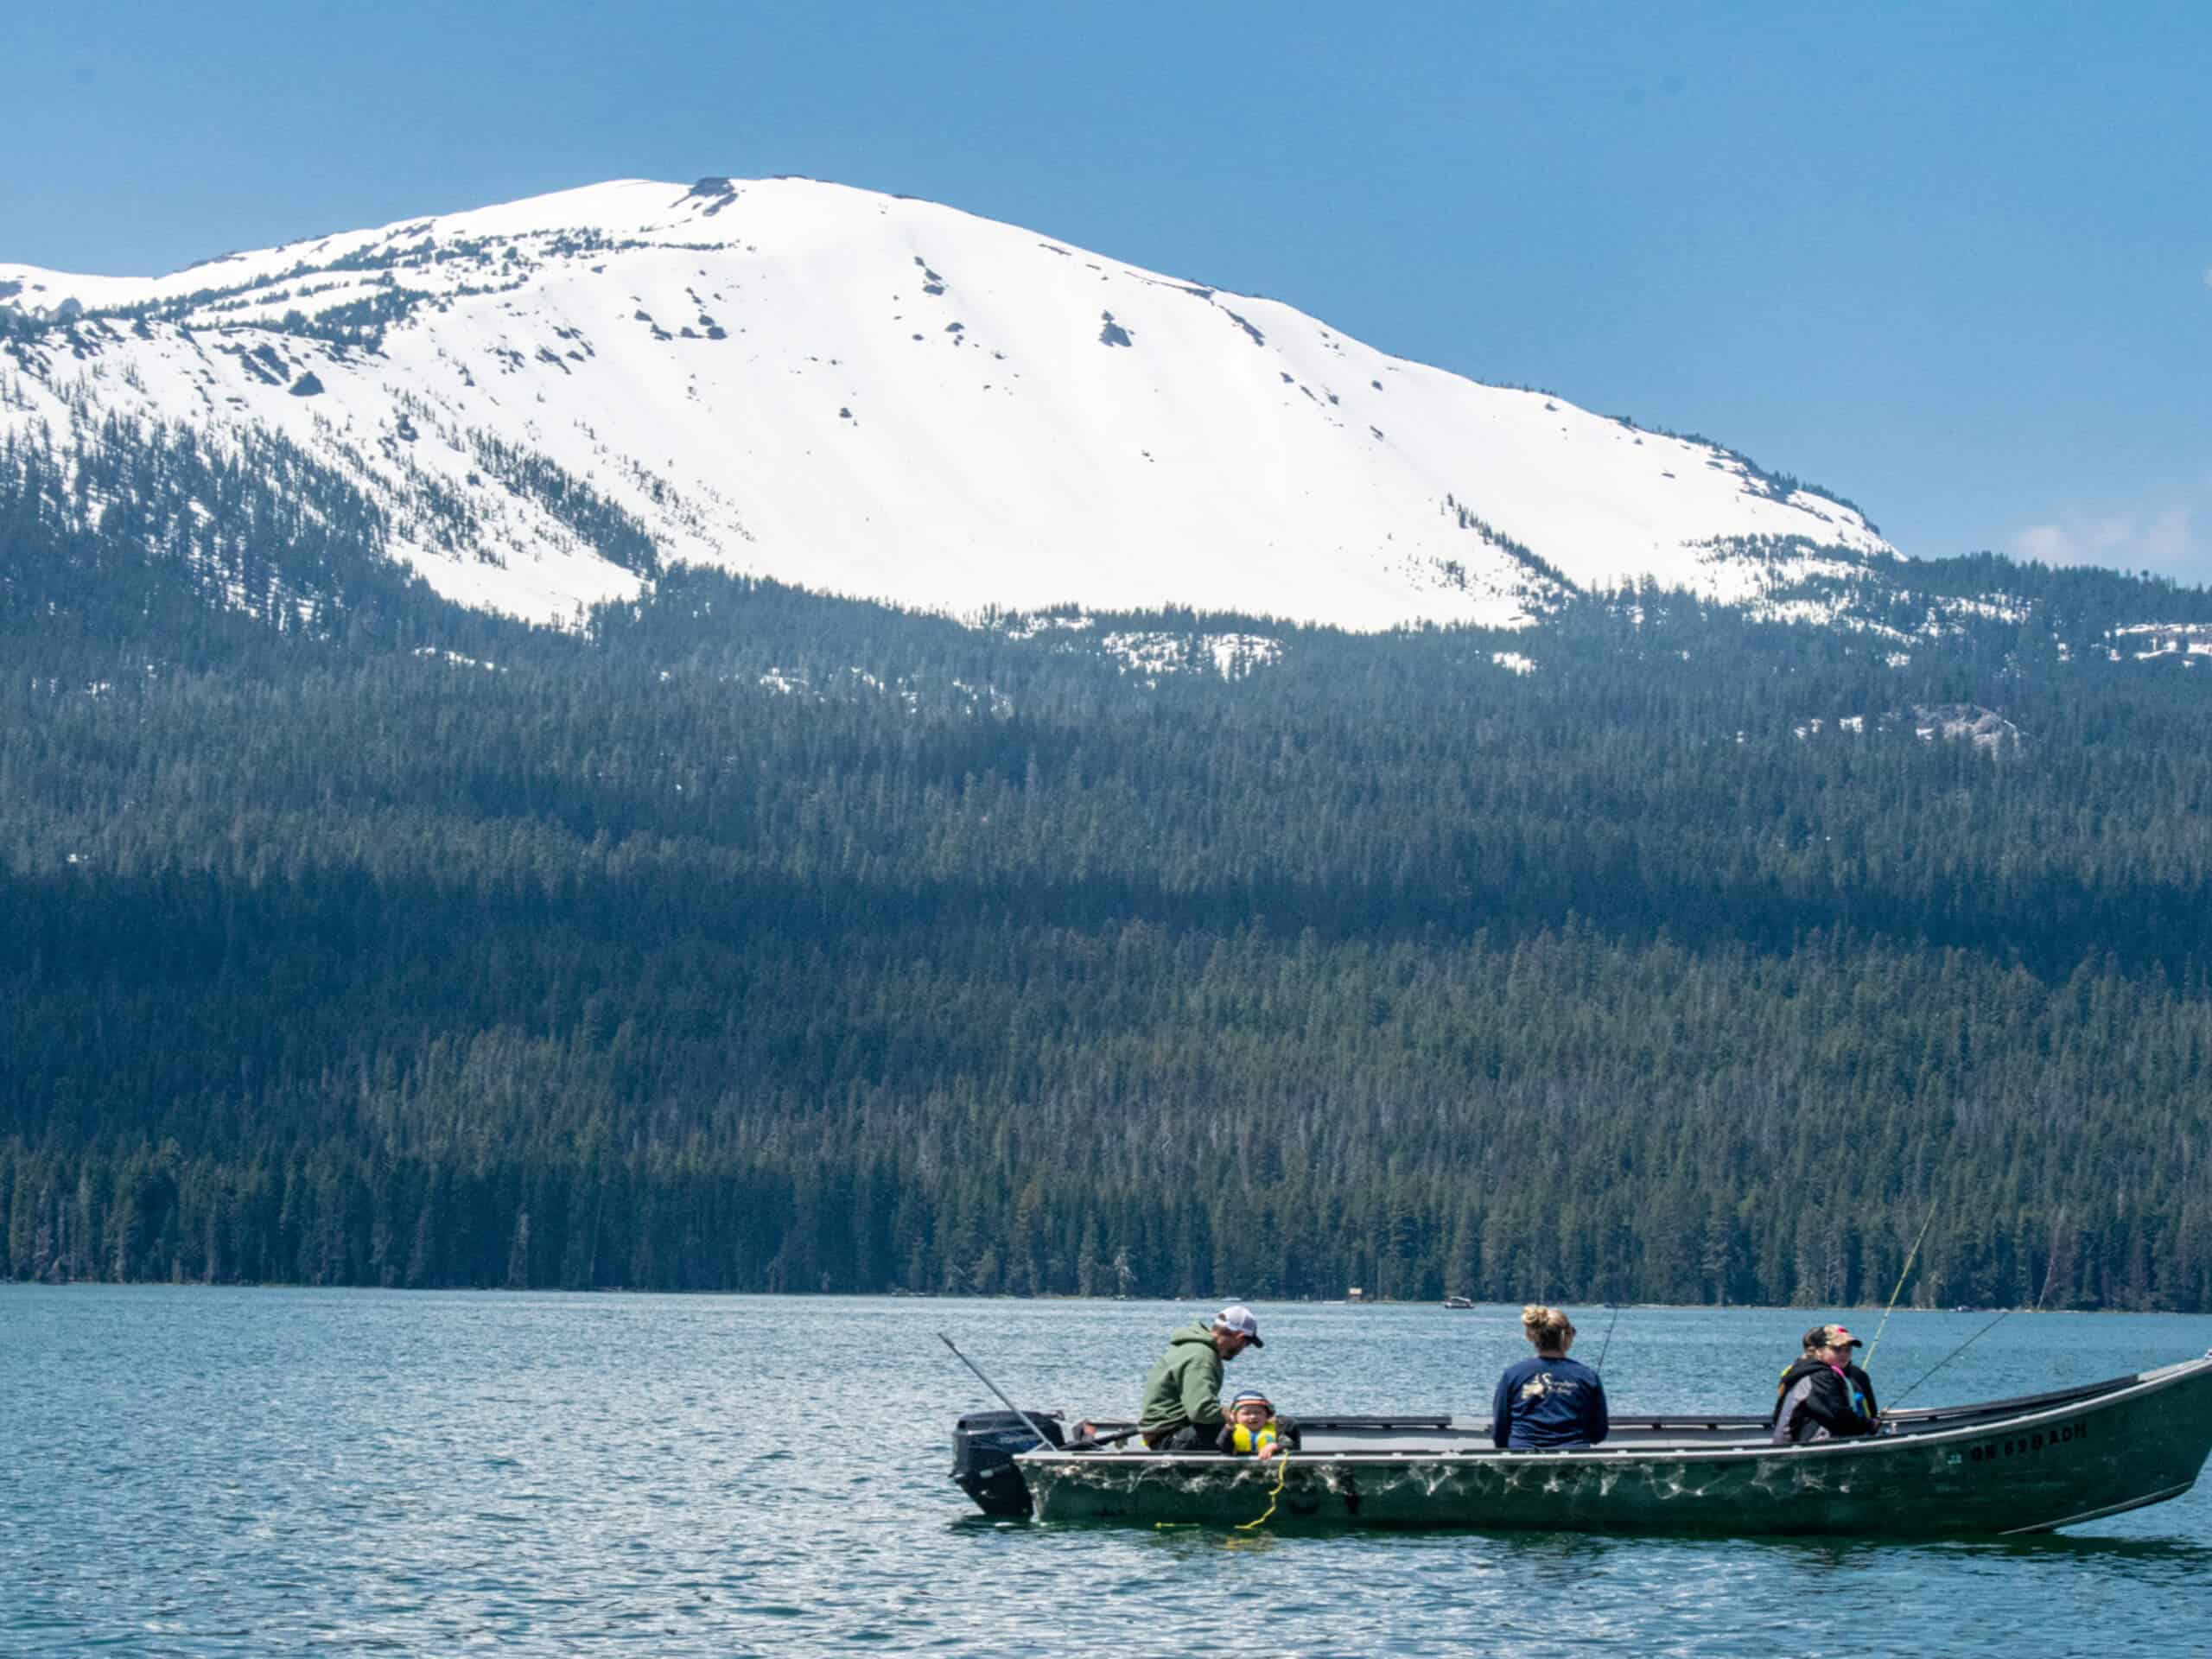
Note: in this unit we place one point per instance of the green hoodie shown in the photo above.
(1186, 1386)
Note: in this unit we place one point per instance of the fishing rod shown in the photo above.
(1910, 1256)
(1952, 1355)
(2051, 1262)
(1115, 1439)
(1043, 1438)
(1999, 1320)
(1605, 1346)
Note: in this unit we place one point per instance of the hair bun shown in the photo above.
(1546, 1323)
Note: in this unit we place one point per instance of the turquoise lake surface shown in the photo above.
(188, 1471)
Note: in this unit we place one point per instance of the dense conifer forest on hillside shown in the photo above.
(744, 939)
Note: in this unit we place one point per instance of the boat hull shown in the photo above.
(2141, 1444)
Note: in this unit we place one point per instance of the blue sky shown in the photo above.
(1954, 262)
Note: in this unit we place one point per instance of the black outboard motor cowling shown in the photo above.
(984, 1445)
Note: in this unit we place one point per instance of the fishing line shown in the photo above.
(2051, 1262)
(1994, 1323)
(1605, 1347)
(1952, 1355)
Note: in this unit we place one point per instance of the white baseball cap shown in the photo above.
(1238, 1318)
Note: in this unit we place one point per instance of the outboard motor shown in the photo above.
(984, 1445)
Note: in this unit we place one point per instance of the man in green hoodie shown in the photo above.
(1182, 1397)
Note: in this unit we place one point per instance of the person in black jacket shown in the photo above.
(1823, 1395)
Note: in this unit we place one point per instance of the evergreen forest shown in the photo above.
(742, 938)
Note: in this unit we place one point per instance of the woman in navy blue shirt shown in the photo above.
(1549, 1403)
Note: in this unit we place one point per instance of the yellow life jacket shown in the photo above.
(1248, 1442)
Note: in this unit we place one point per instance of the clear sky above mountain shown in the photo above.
(1953, 261)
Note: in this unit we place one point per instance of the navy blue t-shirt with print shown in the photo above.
(1543, 1404)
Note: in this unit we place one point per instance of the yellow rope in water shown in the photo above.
(1282, 1468)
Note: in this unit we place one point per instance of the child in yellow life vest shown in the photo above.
(1252, 1430)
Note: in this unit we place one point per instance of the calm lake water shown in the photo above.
(209, 1471)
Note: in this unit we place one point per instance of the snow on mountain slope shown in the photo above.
(884, 397)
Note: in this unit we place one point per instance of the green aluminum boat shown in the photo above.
(2008, 1467)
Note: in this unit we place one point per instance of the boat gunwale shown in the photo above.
(1063, 1460)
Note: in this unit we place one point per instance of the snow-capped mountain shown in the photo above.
(883, 397)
